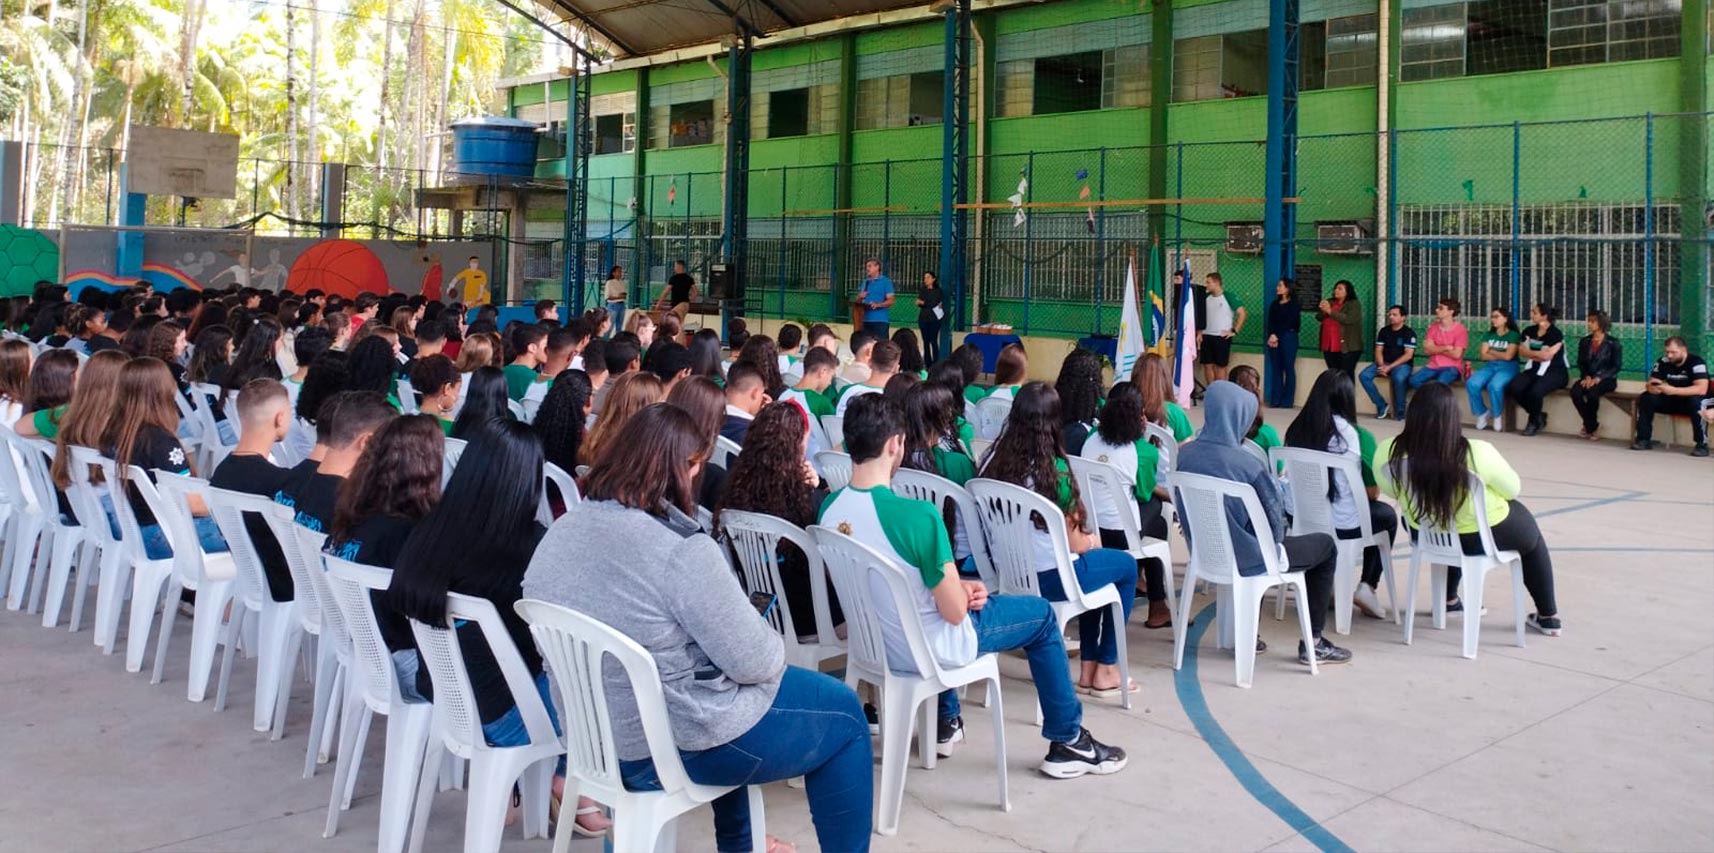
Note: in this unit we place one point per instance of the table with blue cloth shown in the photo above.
(507, 313)
(990, 345)
(1106, 345)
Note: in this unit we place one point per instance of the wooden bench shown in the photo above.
(1625, 400)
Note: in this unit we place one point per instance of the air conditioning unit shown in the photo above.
(1244, 238)
(1351, 237)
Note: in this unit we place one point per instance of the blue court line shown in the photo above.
(1189, 688)
(1598, 502)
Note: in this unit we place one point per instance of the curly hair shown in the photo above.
(767, 477)
(1029, 446)
(760, 351)
(372, 366)
(398, 474)
(1079, 385)
(559, 421)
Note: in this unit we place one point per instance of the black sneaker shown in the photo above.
(1699, 451)
(1083, 756)
(1548, 625)
(1325, 652)
(950, 734)
(874, 718)
(1642, 444)
(1261, 645)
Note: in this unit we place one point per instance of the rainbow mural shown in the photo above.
(162, 277)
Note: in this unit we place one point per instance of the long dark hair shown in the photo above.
(398, 474)
(484, 519)
(257, 357)
(1434, 443)
(372, 366)
(910, 353)
(52, 380)
(1030, 444)
(484, 401)
(212, 357)
(948, 373)
(767, 477)
(1079, 386)
(653, 469)
(705, 354)
(325, 378)
(559, 421)
(1313, 429)
(760, 351)
(1122, 416)
(931, 418)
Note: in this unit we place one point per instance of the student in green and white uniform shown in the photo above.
(819, 366)
(960, 619)
(1120, 442)
(1151, 377)
(438, 382)
(1498, 354)
(932, 445)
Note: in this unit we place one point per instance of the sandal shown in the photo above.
(1110, 692)
(577, 823)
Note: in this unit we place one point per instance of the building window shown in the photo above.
(1125, 77)
(1350, 51)
(1506, 36)
(1577, 32)
(788, 113)
(615, 134)
(688, 123)
(1234, 65)
(1068, 83)
(906, 100)
(1312, 56)
(1433, 42)
(1016, 93)
(927, 98)
(1642, 29)
(1196, 69)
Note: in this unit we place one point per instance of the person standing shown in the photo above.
(931, 311)
(1548, 371)
(1447, 339)
(614, 290)
(1214, 342)
(1598, 360)
(1279, 360)
(1499, 354)
(681, 291)
(1341, 317)
(1677, 386)
(1395, 348)
(877, 298)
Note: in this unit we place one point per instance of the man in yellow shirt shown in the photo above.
(471, 283)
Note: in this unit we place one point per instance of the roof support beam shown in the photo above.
(582, 19)
(735, 207)
(744, 25)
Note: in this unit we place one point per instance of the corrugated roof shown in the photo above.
(643, 27)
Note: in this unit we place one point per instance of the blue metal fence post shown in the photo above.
(1278, 215)
(1101, 243)
(1517, 248)
(1029, 235)
(1648, 238)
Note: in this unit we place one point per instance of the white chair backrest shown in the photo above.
(1202, 502)
(979, 448)
(575, 648)
(188, 416)
(853, 566)
(991, 414)
(1163, 438)
(457, 718)
(835, 468)
(228, 509)
(303, 566)
(86, 493)
(175, 491)
(834, 427)
(37, 473)
(756, 539)
(205, 398)
(351, 585)
(17, 488)
(1308, 474)
(454, 451)
(517, 410)
(1009, 516)
(1251, 447)
(1441, 545)
(937, 490)
(725, 451)
(407, 396)
(333, 625)
(1102, 483)
(554, 479)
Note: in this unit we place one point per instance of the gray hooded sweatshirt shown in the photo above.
(1228, 411)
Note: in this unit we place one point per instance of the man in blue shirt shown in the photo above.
(877, 297)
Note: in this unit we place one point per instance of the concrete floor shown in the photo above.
(1602, 739)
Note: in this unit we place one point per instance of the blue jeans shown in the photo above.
(815, 729)
(1010, 622)
(155, 545)
(509, 730)
(1096, 569)
(1400, 377)
(616, 310)
(1279, 372)
(1443, 375)
(1492, 377)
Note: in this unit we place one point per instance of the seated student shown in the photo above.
(1676, 386)
(1028, 453)
(960, 619)
(116, 326)
(1121, 442)
(1261, 432)
(1217, 452)
(1079, 387)
(622, 357)
(809, 394)
(144, 432)
(641, 326)
(51, 381)
(101, 373)
(740, 716)
(342, 431)
(15, 360)
(1425, 468)
(883, 366)
(1151, 377)
(1011, 369)
(562, 348)
(862, 347)
(484, 401)
(265, 412)
(771, 477)
(671, 364)
(931, 440)
(435, 380)
(1599, 359)
(789, 345)
(593, 362)
(1328, 423)
(745, 396)
(706, 404)
(951, 374)
(478, 350)
(1445, 344)
(529, 353)
(546, 310)
(211, 356)
(705, 355)
(910, 354)
(560, 422)
(970, 361)
(631, 394)
(431, 339)
(371, 367)
(901, 384)
(307, 346)
(821, 336)
(667, 332)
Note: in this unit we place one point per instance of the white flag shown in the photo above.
(1130, 328)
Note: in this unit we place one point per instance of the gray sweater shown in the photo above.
(669, 587)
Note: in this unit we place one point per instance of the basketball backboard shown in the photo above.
(165, 161)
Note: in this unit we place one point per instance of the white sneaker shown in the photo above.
(1368, 602)
(1499, 425)
(1482, 421)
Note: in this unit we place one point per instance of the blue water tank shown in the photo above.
(494, 146)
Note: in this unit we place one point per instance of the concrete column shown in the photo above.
(11, 183)
(1693, 178)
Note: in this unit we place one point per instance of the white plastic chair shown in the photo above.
(1440, 548)
(575, 648)
(453, 452)
(1008, 515)
(1256, 451)
(1308, 473)
(23, 518)
(835, 468)
(1163, 438)
(756, 539)
(862, 575)
(979, 448)
(148, 576)
(204, 398)
(725, 451)
(1203, 500)
(1109, 481)
(517, 410)
(302, 549)
(457, 728)
(275, 621)
(407, 396)
(834, 427)
(373, 688)
(991, 414)
(937, 490)
(65, 542)
(85, 495)
(555, 479)
(210, 576)
(192, 434)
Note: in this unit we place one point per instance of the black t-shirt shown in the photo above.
(501, 581)
(377, 541)
(1682, 375)
(1535, 340)
(255, 475)
(1074, 435)
(312, 494)
(931, 299)
(153, 448)
(1394, 343)
(99, 343)
(679, 286)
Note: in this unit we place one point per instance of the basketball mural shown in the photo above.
(343, 267)
(26, 257)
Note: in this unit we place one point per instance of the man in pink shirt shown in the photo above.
(1444, 344)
